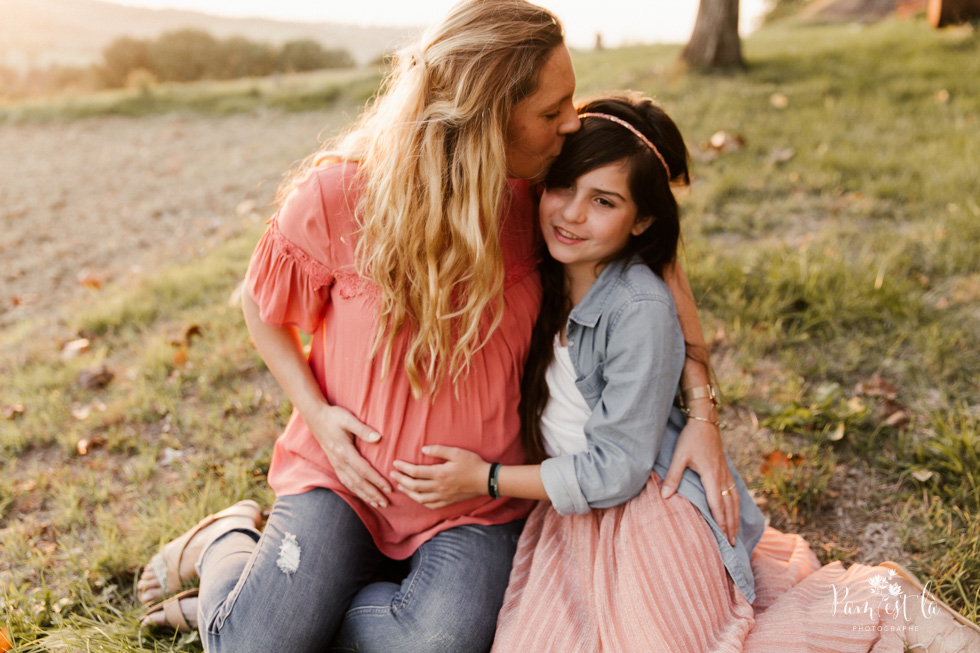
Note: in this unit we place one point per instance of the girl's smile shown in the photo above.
(566, 237)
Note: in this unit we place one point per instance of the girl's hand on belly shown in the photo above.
(463, 476)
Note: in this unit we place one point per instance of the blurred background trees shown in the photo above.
(184, 55)
(190, 55)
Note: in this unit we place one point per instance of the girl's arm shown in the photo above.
(700, 446)
(624, 431)
(463, 476)
(333, 427)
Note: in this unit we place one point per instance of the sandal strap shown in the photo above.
(172, 612)
(241, 509)
(174, 615)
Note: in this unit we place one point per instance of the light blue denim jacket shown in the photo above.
(628, 352)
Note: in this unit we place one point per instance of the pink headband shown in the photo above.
(620, 121)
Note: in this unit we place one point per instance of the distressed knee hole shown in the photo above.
(289, 552)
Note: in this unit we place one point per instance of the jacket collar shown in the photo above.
(587, 312)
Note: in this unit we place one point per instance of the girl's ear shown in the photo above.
(641, 225)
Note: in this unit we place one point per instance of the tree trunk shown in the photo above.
(715, 42)
(949, 12)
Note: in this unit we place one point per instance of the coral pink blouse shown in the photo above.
(302, 273)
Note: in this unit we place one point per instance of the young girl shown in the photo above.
(598, 398)
(605, 563)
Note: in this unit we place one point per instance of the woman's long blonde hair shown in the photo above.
(434, 170)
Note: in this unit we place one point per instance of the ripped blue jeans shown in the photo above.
(310, 583)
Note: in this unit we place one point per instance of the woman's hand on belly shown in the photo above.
(463, 476)
(335, 429)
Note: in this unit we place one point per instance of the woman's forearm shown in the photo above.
(333, 427)
(282, 351)
(695, 371)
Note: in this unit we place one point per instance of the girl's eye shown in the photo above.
(552, 116)
(604, 202)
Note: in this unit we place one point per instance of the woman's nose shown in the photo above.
(570, 122)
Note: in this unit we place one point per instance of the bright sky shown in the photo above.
(619, 21)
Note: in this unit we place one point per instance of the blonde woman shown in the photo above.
(411, 258)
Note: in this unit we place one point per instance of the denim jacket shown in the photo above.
(628, 352)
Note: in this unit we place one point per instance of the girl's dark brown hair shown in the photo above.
(601, 142)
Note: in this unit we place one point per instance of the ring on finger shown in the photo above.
(728, 490)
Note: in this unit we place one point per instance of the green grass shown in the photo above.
(857, 256)
(293, 92)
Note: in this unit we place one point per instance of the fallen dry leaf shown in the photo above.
(46, 546)
(245, 207)
(235, 298)
(74, 348)
(899, 419)
(781, 154)
(779, 460)
(724, 141)
(779, 101)
(12, 411)
(887, 409)
(81, 412)
(5, 643)
(192, 330)
(180, 357)
(96, 377)
(837, 434)
(876, 386)
(922, 475)
(85, 445)
(855, 405)
(90, 281)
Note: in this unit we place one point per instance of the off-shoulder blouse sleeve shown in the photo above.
(291, 271)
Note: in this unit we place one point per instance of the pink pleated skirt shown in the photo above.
(647, 576)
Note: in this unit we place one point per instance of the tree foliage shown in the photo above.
(306, 54)
(189, 55)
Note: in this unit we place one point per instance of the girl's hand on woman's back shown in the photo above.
(463, 476)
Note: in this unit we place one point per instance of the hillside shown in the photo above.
(850, 9)
(39, 32)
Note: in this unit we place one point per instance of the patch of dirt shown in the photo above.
(855, 521)
(89, 202)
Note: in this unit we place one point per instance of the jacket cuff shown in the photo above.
(561, 484)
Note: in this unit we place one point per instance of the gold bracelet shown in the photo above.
(698, 392)
(716, 422)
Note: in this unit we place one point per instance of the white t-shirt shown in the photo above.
(564, 416)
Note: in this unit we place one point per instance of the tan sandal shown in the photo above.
(945, 630)
(166, 564)
(172, 612)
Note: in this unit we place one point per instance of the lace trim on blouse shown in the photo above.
(318, 273)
